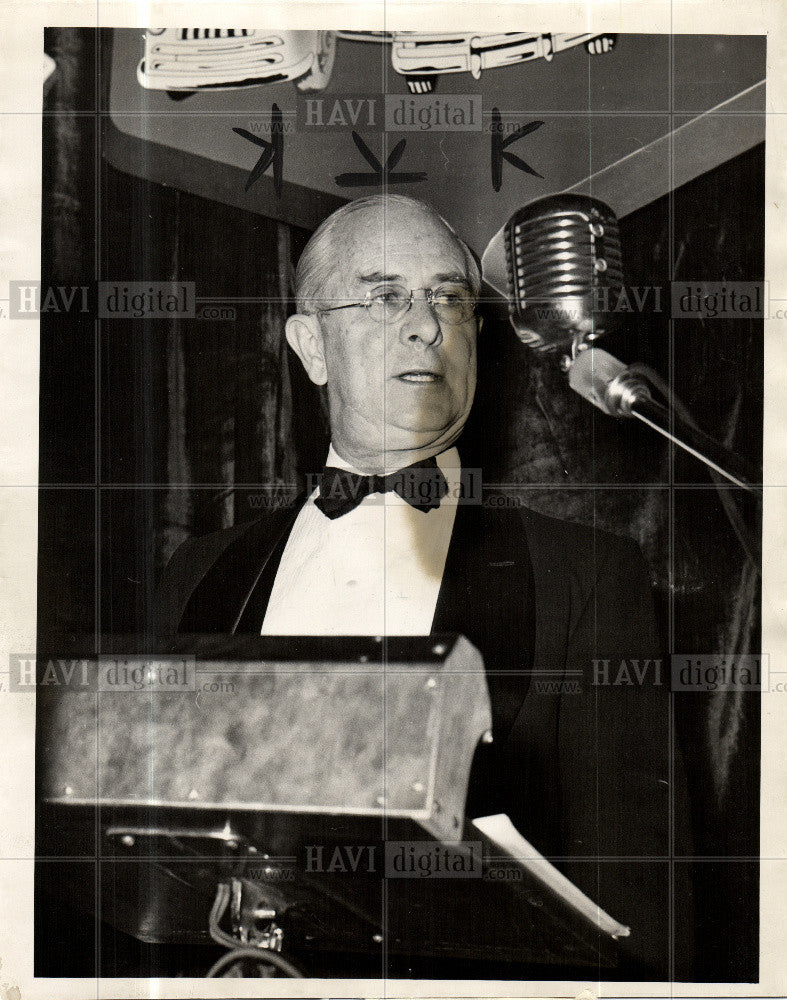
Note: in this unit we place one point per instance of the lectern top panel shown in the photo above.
(365, 726)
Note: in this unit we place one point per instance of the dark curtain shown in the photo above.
(151, 432)
(196, 415)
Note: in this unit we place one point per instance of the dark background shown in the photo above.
(153, 431)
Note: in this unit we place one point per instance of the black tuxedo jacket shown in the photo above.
(583, 758)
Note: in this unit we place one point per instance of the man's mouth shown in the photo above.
(419, 375)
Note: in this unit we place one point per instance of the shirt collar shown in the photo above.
(448, 462)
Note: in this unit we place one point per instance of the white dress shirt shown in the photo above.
(376, 570)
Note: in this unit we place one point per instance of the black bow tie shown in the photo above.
(422, 485)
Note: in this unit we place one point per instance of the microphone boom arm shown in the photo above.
(622, 392)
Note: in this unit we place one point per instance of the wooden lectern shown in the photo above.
(303, 795)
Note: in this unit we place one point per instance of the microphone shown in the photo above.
(563, 266)
(606, 382)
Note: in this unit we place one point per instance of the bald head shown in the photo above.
(377, 217)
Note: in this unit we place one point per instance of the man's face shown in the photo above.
(401, 387)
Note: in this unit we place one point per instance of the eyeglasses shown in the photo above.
(453, 302)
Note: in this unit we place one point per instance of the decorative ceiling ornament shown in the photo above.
(182, 60)
(421, 57)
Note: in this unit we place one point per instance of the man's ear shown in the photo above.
(304, 335)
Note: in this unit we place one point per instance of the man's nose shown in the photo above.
(421, 323)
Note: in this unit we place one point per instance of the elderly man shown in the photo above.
(386, 320)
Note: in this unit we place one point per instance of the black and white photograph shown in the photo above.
(398, 507)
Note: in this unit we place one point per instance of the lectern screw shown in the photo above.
(193, 794)
(377, 938)
(439, 649)
(431, 683)
(127, 840)
(487, 737)
(68, 790)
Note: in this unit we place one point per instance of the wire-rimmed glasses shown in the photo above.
(453, 302)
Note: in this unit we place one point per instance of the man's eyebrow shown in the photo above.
(453, 276)
(376, 277)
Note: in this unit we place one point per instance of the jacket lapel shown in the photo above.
(553, 593)
(487, 595)
(532, 747)
(219, 601)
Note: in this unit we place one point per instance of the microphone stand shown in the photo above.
(626, 394)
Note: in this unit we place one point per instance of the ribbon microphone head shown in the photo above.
(564, 268)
